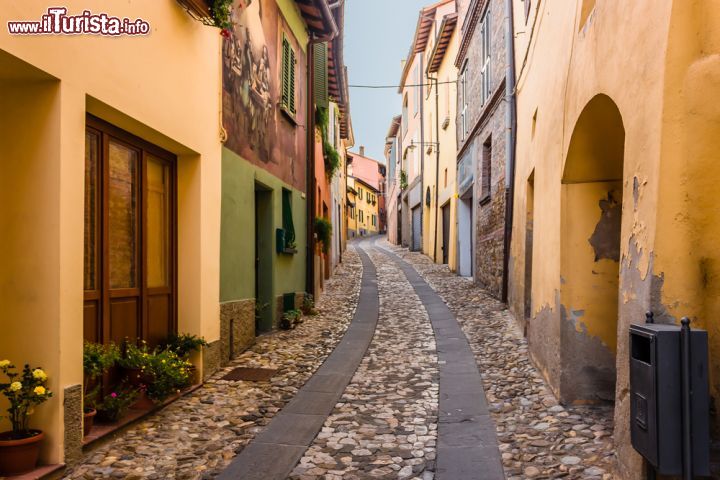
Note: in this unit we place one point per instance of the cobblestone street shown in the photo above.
(385, 424)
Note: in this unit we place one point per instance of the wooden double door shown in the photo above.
(130, 237)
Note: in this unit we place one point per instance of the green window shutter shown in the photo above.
(287, 218)
(291, 82)
(321, 75)
(285, 74)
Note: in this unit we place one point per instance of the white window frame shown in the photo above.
(486, 47)
(463, 103)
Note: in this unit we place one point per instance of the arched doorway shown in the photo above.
(592, 194)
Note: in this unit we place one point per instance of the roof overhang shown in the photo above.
(318, 18)
(426, 19)
(443, 42)
(472, 17)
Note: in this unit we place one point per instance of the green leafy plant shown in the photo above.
(168, 373)
(23, 390)
(403, 180)
(185, 344)
(290, 319)
(221, 11)
(323, 230)
(308, 305)
(114, 405)
(97, 360)
(331, 156)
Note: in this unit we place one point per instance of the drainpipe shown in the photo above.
(511, 141)
(422, 159)
(437, 162)
(310, 122)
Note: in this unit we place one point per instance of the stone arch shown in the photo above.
(591, 219)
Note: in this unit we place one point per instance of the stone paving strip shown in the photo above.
(197, 436)
(467, 444)
(538, 437)
(276, 450)
(385, 425)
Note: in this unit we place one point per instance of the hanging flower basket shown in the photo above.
(215, 13)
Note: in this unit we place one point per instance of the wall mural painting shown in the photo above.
(256, 128)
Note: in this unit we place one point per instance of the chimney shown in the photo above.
(362, 150)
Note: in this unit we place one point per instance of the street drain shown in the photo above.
(250, 374)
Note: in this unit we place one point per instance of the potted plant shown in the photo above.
(217, 13)
(20, 447)
(113, 406)
(134, 363)
(97, 360)
(290, 319)
(185, 344)
(308, 305)
(170, 374)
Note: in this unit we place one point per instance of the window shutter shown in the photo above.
(291, 82)
(285, 102)
(320, 51)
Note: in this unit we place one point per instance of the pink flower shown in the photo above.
(113, 395)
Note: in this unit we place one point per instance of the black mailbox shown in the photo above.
(656, 404)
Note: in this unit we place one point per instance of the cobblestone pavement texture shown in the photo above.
(538, 438)
(385, 425)
(197, 436)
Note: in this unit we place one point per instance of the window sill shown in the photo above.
(289, 116)
(289, 251)
(485, 199)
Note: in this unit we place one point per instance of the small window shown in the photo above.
(486, 46)
(486, 171)
(463, 103)
(288, 77)
(287, 217)
(361, 216)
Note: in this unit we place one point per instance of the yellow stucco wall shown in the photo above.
(617, 49)
(367, 208)
(441, 109)
(163, 87)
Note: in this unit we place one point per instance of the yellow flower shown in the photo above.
(39, 374)
(15, 386)
(4, 363)
(39, 390)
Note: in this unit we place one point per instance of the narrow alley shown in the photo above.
(394, 415)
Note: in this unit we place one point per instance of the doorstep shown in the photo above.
(102, 431)
(40, 472)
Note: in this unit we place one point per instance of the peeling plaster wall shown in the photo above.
(687, 253)
(618, 49)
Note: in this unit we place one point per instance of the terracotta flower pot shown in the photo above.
(19, 456)
(88, 420)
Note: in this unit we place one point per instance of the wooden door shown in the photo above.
(130, 240)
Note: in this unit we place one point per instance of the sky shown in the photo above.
(377, 38)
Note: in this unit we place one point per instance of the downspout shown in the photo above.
(511, 142)
(310, 122)
(437, 163)
(422, 159)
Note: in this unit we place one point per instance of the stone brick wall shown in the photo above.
(490, 213)
(473, 87)
(237, 327)
(73, 423)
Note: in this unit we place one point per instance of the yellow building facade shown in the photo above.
(439, 108)
(616, 169)
(366, 209)
(153, 101)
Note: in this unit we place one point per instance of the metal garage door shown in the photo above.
(417, 228)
